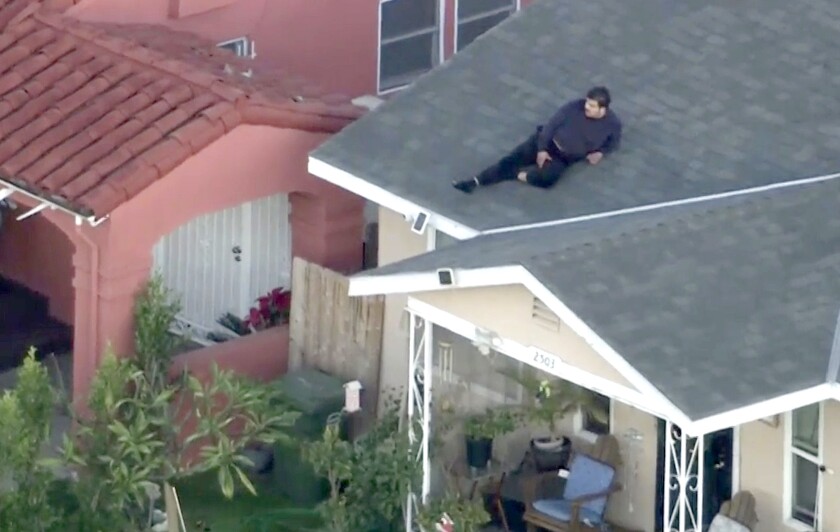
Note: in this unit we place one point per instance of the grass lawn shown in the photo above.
(205, 508)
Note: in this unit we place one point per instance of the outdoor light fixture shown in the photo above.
(486, 340)
(446, 276)
(421, 220)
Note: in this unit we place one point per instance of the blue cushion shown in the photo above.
(561, 510)
(588, 476)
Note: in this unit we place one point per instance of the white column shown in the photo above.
(428, 375)
(683, 508)
(419, 399)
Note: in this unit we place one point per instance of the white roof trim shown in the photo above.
(770, 407)
(366, 285)
(656, 401)
(600, 346)
(656, 206)
(43, 203)
(506, 275)
(525, 354)
(379, 195)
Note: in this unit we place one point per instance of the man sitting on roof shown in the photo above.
(581, 129)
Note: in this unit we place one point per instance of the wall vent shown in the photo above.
(544, 316)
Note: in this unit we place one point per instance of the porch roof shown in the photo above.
(697, 84)
(92, 114)
(720, 305)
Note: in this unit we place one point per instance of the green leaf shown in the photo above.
(226, 482)
(245, 480)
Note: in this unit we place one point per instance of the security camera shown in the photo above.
(420, 223)
(446, 276)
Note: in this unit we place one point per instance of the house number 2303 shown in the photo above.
(545, 360)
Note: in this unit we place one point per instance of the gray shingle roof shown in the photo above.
(720, 305)
(714, 95)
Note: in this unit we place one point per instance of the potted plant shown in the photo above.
(481, 429)
(456, 512)
(551, 401)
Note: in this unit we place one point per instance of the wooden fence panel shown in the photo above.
(334, 332)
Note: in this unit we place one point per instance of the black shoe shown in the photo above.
(466, 185)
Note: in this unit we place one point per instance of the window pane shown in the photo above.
(405, 16)
(469, 31)
(468, 8)
(402, 61)
(805, 478)
(472, 367)
(806, 428)
(597, 419)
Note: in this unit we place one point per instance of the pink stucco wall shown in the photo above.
(262, 356)
(334, 43)
(251, 162)
(37, 254)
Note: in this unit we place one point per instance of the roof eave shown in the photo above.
(362, 187)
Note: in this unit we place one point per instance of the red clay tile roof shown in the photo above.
(89, 119)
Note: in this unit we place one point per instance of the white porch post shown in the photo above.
(419, 403)
(683, 508)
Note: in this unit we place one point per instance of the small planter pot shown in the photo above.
(551, 453)
(479, 452)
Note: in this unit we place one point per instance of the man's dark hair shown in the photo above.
(600, 95)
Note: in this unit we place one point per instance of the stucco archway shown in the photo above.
(37, 292)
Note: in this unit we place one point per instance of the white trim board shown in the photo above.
(524, 354)
(515, 274)
(387, 199)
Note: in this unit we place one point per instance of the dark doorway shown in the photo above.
(25, 322)
(718, 461)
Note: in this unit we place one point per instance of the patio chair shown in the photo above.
(590, 482)
(736, 515)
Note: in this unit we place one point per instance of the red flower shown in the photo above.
(263, 303)
(255, 318)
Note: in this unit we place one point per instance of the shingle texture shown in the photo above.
(715, 95)
(91, 115)
(720, 304)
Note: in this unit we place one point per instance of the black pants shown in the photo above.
(524, 158)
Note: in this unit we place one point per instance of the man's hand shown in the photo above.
(595, 157)
(542, 157)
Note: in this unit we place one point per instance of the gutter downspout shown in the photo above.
(93, 327)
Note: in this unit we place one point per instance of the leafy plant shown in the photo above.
(146, 428)
(466, 515)
(25, 417)
(271, 310)
(493, 422)
(369, 479)
(553, 400)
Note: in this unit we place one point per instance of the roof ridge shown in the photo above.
(643, 227)
(666, 204)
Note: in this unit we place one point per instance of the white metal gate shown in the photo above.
(222, 261)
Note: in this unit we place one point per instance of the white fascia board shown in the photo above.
(568, 317)
(771, 407)
(380, 196)
(406, 283)
(525, 354)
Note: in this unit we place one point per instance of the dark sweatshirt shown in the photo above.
(576, 135)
